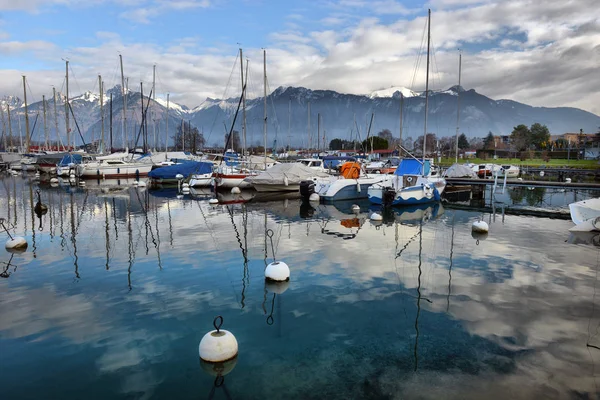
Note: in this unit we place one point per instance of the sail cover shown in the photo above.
(294, 172)
(409, 166)
(186, 169)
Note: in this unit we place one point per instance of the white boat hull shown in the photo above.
(204, 180)
(585, 210)
(294, 187)
(109, 171)
(345, 189)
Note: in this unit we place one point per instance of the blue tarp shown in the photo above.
(409, 166)
(186, 169)
(70, 159)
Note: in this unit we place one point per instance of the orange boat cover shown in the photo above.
(350, 170)
(351, 223)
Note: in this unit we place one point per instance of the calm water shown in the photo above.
(118, 287)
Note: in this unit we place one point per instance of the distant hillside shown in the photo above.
(288, 116)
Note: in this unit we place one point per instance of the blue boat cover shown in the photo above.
(70, 159)
(409, 166)
(186, 169)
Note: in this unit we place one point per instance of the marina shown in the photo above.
(119, 284)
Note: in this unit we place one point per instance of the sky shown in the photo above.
(542, 53)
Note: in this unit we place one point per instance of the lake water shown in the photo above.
(118, 286)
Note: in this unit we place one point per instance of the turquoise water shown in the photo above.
(118, 286)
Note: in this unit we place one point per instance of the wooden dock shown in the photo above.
(515, 182)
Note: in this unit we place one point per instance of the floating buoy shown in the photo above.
(185, 190)
(480, 227)
(235, 190)
(355, 208)
(179, 177)
(54, 180)
(519, 179)
(135, 183)
(314, 197)
(277, 287)
(142, 184)
(568, 180)
(185, 185)
(542, 173)
(16, 243)
(277, 271)
(213, 201)
(376, 217)
(219, 345)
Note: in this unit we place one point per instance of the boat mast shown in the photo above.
(123, 94)
(101, 86)
(426, 87)
(167, 129)
(56, 115)
(289, 126)
(111, 122)
(45, 122)
(401, 118)
(265, 95)
(318, 133)
(3, 126)
(243, 107)
(308, 127)
(10, 137)
(26, 115)
(67, 126)
(152, 111)
(458, 106)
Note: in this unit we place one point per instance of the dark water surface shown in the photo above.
(117, 287)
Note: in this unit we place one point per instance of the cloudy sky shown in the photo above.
(541, 53)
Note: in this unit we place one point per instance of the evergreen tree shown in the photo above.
(463, 142)
(540, 135)
(489, 142)
(521, 137)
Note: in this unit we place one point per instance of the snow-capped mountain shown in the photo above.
(337, 115)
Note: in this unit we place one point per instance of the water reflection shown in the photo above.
(123, 279)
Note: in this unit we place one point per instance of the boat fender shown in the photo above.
(285, 181)
(376, 217)
(314, 197)
(357, 186)
(218, 345)
(235, 190)
(277, 271)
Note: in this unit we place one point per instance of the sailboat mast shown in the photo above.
(152, 111)
(401, 117)
(55, 115)
(167, 129)
(318, 133)
(265, 96)
(26, 115)
(3, 127)
(101, 86)
(111, 122)
(45, 122)
(123, 94)
(289, 125)
(426, 87)
(308, 127)
(10, 137)
(67, 126)
(458, 106)
(243, 106)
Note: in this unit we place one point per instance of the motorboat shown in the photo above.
(183, 170)
(585, 214)
(411, 184)
(284, 177)
(511, 171)
(114, 168)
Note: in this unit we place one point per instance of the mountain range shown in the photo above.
(333, 114)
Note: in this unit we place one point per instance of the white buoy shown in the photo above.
(213, 201)
(219, 345)
(235, 190)
(542, 173)
(314, 197)
(179, 177)
(480, 227)
(135, 183)
(142, 184)
(277, 271)
(185, 185)
(54, 180)
(519, 179)
(185, 190)
(16, 243)
(568, 180)
(376, 217)
(179, 196)
(355, 208)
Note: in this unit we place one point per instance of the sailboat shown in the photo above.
(412, 182)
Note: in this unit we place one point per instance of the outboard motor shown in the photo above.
(306, 189)
(389, 194)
